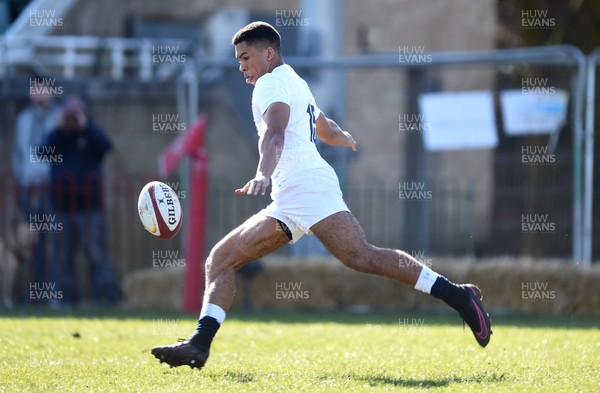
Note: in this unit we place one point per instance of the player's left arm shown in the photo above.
(270, 146)
(329, 132)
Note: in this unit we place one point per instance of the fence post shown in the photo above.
(588, 197)
(192, 144)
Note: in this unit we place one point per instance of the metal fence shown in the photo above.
(124, 58)
(578, 232)
(131, 248)
(443, 226)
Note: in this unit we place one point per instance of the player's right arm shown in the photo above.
(329, 132)
(270, 145)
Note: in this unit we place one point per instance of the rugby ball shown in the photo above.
(159, 210)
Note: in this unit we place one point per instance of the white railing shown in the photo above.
(113, 57)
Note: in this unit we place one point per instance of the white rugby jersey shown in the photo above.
(299, 149)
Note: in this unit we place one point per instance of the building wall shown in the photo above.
(376, 97)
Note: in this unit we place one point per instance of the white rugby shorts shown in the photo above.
(304, 199)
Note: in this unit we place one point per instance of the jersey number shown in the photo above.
(312, 123)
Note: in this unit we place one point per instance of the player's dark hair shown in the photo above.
(260, 35)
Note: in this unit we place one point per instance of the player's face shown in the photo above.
(253, 62)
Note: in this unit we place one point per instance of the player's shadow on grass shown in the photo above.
(372, 380)
(378, 380)
(238, 376)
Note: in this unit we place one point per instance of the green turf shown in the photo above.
(281, 352)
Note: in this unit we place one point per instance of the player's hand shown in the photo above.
(349, 142)
(259, 184)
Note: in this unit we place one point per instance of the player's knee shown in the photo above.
(360, 260)
(217, 259)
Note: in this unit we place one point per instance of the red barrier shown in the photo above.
(192, 144)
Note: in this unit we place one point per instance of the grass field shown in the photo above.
(341, 352)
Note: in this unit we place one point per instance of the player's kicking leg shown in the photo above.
(255, 238)
(343, 236)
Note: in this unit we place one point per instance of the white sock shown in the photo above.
(212, 310)
(426, 280)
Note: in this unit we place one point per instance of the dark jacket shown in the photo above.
(76, 168)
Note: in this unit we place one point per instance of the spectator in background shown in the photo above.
(77, 200)
(32, 174)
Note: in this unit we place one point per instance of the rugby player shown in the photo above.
(306, 199)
